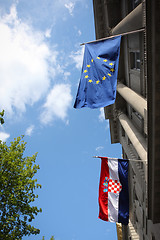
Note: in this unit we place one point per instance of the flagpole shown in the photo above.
(134, 160)
(122, 34)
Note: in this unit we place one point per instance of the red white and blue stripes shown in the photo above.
(113, 191)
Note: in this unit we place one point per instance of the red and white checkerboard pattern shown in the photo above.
(114, 186)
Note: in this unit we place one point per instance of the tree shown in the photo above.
(17, 185)
(1, 117)
(52, 238)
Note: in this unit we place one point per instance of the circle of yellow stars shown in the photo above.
(111, 65)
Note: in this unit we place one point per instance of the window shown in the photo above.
(153, 237)
(137, 115)
(135, 60)
(135, 3)
(138, 121)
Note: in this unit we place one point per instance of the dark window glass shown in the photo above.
(135, 3)
(135, 60)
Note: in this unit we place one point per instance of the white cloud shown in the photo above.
(79, 32)
(107, 124)
(48, 33)
(57, 103)
(66, 75)
(99, 148)
(70, 7)
(101, 115)
(77, 57)
(29, 130)
(4, 136)
(24, 64)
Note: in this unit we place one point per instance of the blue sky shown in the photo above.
(40, 65)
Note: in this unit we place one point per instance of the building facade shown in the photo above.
(135, 117)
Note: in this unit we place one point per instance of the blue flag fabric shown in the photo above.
(97, 87)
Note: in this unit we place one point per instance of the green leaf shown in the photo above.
(2, 113)
(17, 185)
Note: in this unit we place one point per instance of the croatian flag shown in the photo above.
(113, 191)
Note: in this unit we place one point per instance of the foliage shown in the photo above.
(17, 187)
(1, 117)
(52, 238)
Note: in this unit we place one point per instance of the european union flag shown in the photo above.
(97, 87)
